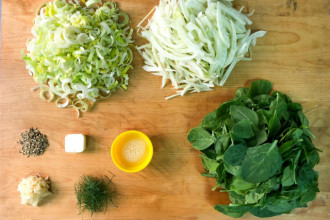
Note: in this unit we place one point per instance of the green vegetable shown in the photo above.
(261, 162)
(79, 53)
(258, 147)
(196, 43)
(94, 194)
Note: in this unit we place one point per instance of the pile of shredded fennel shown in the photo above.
(79, 52)
(196, 43)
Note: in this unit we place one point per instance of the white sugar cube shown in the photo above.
(75, 143)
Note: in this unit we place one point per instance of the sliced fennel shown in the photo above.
(79, 53)
(195, 43)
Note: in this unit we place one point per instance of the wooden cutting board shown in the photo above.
(294, 55)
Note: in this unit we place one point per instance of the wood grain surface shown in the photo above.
(294, 55)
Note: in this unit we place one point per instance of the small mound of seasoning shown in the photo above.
(94, 193)
(33, 142)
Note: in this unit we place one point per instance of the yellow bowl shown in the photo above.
(128, 145)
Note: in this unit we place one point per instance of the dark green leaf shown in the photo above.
(236, 198)
(287, 146)
(264, 116)
(211, 121)
(313, 158)
(263, 101)
(283, 96)
(261, 162)
(233, 170)
(209, 175)
(200, 138)
(263, 213)
(282, 205)
(307, 197)
(221, 174)
(306, 176)
(305, 124)
(225, 107)
(261, 136)
(286, 115)
(295, 165)
(270, 185)
(241, 93)
(294, 107)
(236, 139)
(296, 135)
(233, 211)
(239, 113)
(239, 184)
(235, 154)
(210, 153)
(278, 106)
(222, 143)
(260, 87)
(274, 126)
(288, 177)
(209, 164)
(253, 196)
(243, 129)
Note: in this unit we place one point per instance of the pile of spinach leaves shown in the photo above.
(258, 147)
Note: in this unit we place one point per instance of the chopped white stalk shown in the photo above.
(197, 41)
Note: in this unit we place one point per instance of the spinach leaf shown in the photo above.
(283, 96)
(296, 135)
(307, 197)
(239, 113)
(274, 126)
(260, 137)
(253, 196)
(200, 138)
(270, 185)
(209, 164)
(263, 212)
(210, 153)
(282, 205)
(306, 176)
(236, 139)
(239, 184)
(243, 129)
(222, 143)
(235, 154)
(287, 146)
(211, 121)
(313, 158)
(233, 211)
(263, 101)
(261, 162)
(259, 87)
(233, 170)
(236, 198)
(294, 107)
(225, 107)
(288, 177)
(305, 124)
(241, 93)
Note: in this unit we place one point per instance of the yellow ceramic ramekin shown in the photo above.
(117, 154)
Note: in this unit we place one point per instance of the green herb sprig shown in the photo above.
(258, 147)
(94, 193)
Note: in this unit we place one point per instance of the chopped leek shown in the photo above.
(195, 43)
(79, 53)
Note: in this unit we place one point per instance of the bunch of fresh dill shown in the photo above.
(94, 193)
